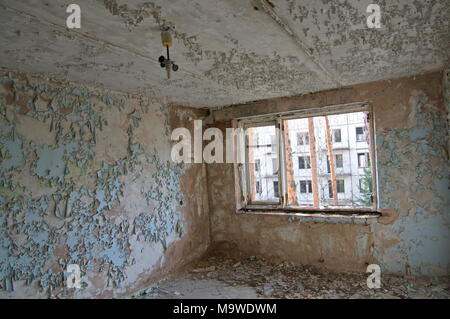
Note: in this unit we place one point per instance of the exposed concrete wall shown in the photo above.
(412, 236)
(86, 179)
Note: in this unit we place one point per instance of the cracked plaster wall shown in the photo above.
(411, 237)
(86, 179)
(229, 52)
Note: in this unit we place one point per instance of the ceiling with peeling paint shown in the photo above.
(229, 51)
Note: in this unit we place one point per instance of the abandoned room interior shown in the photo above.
(224, 149)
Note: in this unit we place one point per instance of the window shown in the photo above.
(274, 166)
(360, 134)
(339, 187)
(365, 185)
(304, 162)
(305, 187)
(302, 138)
(258, 188)
(328, 165)
(363, 160)
(339, 161)
(259, 141)
(337, 135)
(257, 165)
(310, 184)
(275, 189)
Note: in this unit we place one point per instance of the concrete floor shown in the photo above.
(252, 278)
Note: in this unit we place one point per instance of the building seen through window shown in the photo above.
(307, 149)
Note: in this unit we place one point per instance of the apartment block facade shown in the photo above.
(349, 137)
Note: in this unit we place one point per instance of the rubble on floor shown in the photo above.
(218, 277)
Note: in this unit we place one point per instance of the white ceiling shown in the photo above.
(229, 51)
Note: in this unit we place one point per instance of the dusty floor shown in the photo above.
(219, 277)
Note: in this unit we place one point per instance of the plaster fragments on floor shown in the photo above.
(250, 278)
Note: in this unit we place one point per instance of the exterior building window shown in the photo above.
(337, 138)
(275, 166)
(328, 165)
(258, 187)
(305, 187)
(363, 160)
(257, 165)
(339, 161)
(339, 185)
(304, 162)
(359, 134)
(365, 186)
(302, 138)
(275, 189)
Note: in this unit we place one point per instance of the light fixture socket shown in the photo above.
(166, 38)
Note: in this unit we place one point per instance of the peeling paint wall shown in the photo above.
(86, 179)
(411, 237)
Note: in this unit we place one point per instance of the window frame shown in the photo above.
(366, 159)
(333, 134)
(305, 140)
(277, 119)
(276, 190)
(258, 188)
(362, 134)
(257, 166)
(341, 156)
(308, 187)
(247, 202)
(306, 161)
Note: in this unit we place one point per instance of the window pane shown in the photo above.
(314, 175)
(340, 186)
(258, 187)
(363, 160)
(274, 166)
(339, 161)
(275, 189)
(337, 135)
(302, 138)
(304, 162)
(303, 187)
(330, 189)
(328, 165)
(262, 163)
(359, 134)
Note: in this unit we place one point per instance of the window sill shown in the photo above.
(315, 215)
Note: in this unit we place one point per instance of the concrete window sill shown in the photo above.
(344, 215)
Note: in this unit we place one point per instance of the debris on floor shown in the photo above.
(218, 277)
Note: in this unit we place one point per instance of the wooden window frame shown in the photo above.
(241, 170)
